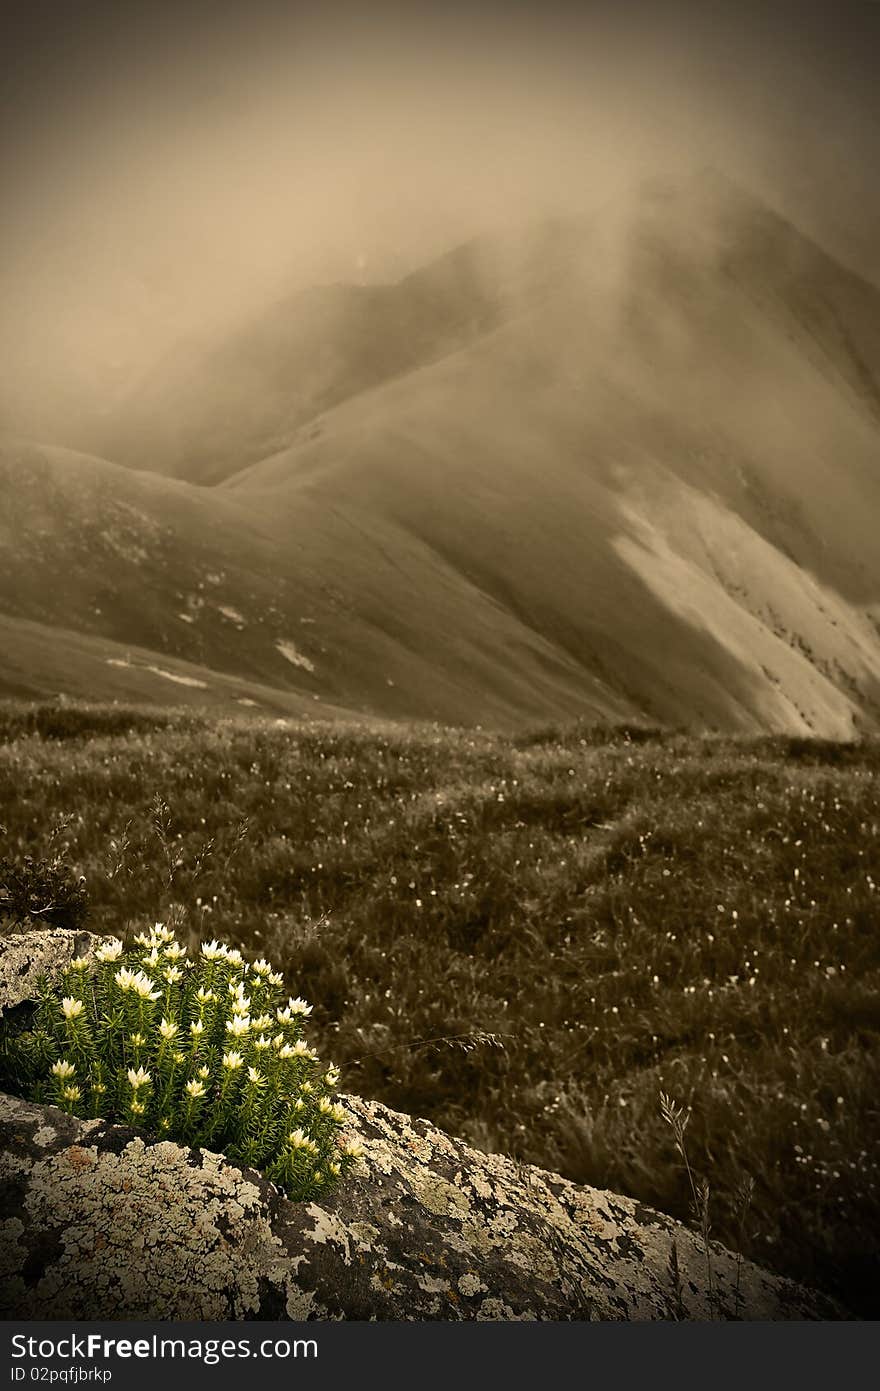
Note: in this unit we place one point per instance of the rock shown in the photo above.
(99, 1221)
(25, 956)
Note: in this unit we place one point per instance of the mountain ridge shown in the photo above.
(639, 486)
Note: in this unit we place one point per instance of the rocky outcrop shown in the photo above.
(98, 1220)
(26, 956)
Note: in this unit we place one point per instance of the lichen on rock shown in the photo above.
(98, 1221)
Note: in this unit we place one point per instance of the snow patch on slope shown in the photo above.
(159, 671)
(291, 652)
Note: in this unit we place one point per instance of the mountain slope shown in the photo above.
(207, 409)
(642, 479)
(188, 573)
(42, 661)
(677, 485)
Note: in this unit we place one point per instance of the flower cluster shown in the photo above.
(205, 1051)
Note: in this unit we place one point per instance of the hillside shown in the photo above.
(95, 551)
(526, 939)
(677, 485)
(211, 407)
(629, 471)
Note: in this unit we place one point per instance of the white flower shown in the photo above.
(276, 978)
(195, 1088)
(262, 1022)
(204, 1072)
(137, 1040)
(204, 997)
(138, 1077)
(261, 967)
(136, 981)
(197, 1028)
(167, 1028)
(255, 1077)
(240, 1008)
(331, 1076)
(79, 963)
(234, 956)
(109, 951)
(301, 1049)
(298, 1105)
(71, 1093)
(232, 1060)
(327, 1108)
(238, 1027)
(71, 1008)
(179, 1057)
(63, 1069)
(261, 1043)
(161, 933)
(152, 960)
(143, 986)
(172, 974)
(334, 1168)
(212, 950)
(299, 1006)
(298, 1140)
(174, 951)
(142, 939)
(137, 1108)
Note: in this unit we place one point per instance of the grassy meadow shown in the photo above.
(527, 939)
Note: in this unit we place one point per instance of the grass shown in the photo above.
(528, 939)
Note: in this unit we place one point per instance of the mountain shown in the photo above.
(626, 470)
(138, 561)
(208, 409)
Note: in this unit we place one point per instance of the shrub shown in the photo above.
(198, 1051)
(45, 890)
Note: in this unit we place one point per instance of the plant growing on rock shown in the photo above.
(201, 1051)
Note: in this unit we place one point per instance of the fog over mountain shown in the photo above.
(174, 172)
(550, 474)
(483, 368)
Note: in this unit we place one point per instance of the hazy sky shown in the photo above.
(168, 166)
